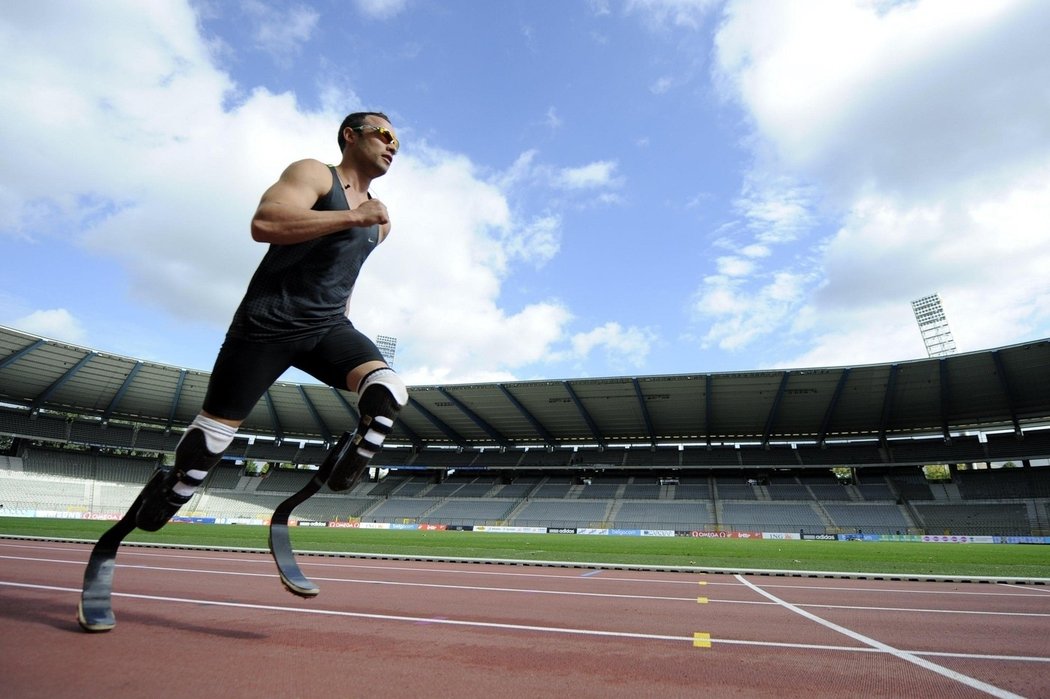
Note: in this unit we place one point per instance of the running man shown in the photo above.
(321, 224)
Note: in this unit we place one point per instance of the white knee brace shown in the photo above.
(388, 378)
(382, 394)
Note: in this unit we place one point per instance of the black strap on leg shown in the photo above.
(376, 402)
(371, 425)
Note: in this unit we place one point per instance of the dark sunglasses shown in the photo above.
(384, 133)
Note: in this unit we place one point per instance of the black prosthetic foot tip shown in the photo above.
(280, 541)
(95, 619)
(291, 576)
(95, 611)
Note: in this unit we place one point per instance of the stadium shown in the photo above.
(820, 451)
(538, 475)
(668, 430)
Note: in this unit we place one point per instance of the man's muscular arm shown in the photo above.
(285, 214)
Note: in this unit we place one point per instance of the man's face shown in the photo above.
(375, 144)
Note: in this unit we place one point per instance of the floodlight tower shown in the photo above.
(933, 325)
(387, 347)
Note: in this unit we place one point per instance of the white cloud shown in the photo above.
(680, 13)
(591, 176)
(919, 98)
(921, 129)
(622, 346)
(579, 186)
(733, 266)
(435, 283)
(599, 7)
(537, 241)
(755, 250)
(381, 9)
(661, 85)
(740, 316)
(168, 172)
(281, 32)
(774, 212)
(55, 323)
(520, 172)
(552, 120)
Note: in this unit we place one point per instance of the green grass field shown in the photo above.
(998, 560)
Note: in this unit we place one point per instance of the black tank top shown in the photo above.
(303, 288)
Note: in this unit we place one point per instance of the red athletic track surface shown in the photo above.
(207, 624)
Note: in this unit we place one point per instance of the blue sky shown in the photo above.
(585, 188)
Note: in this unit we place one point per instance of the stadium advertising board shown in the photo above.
(510, 530)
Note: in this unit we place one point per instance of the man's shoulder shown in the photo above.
(310, 167)
(309, 172)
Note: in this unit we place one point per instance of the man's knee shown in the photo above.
(200, 448)
(382, 395)
(370, 392)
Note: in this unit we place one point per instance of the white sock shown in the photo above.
(217, 435)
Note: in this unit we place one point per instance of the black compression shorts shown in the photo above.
(245, 369)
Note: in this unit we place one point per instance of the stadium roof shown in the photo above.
(999, 389)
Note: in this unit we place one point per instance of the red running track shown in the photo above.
(215, 624)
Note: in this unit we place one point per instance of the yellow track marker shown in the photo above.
(701, 640)
(701, 582)
(701, 600)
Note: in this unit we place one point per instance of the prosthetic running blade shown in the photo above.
(280, 540)
(95, 610)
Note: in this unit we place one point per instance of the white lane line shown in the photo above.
(478, 588)
(921, 610)
(971, 682)
(391, 583)
(867, 649)
(1043, 590)
(1016, 590)
(859, 608)
(380, 617)
(571, 574)
(551, 629)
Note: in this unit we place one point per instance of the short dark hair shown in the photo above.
(356, 119)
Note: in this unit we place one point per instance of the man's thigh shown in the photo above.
(243, 371)
(340, 351)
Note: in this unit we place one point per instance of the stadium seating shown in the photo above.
(824, 492)
(882, 500)
(284, 481)
(736, 491)
(715, 456)
(225, 476)
(661, 456)
(973, 519)
(770, 517)
(663, 515)
(395, 509)
(155, 440)
(868, 518)
(471, 511)
(641, 492)
(47, 427)
(562, 513)
(599, 491)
